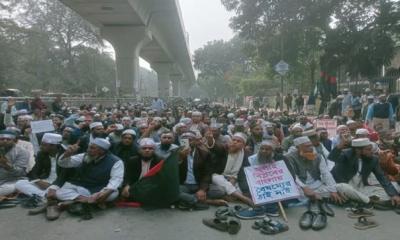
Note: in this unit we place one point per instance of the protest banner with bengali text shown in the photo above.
(270, 183)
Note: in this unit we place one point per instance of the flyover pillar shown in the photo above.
(176, 80)
(163, 74)
(127, 42)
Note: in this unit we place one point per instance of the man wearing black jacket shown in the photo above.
(45, 171)
(352, 170)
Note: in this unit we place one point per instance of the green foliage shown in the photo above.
(311, 35)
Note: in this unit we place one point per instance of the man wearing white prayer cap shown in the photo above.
(352, 170)
(295, 132)
(98, 175)
(312, 174)
(45, 170)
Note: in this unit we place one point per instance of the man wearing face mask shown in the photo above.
(352, 171)
(380, 115)
(295, 132)
(166, 146)
(311, 173)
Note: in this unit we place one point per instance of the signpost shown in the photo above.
(282, 68)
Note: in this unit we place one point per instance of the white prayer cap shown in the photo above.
(239, 122)
(340, 97)
(189, 135)
(301, 140)
(8, 134)
(102, 143)
(345, 90)
(269, 125)
(362, 131)
(52, 138)
(268, 143)
(119, 126)
(350, 122)
(158, 119)
(310, 133)
(186, 121)
(340, 127)
(231, 115)
(22, 112)
(147, 142)
(95, 124)
(240, 135)
(215, 125)
(360, 142)
(297, 125)
(129, 131)
(25, 117)
(197, 114)
(370, 97)
(126, 119)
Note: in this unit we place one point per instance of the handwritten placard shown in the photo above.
(42, 126)
(271, 183)
(329, 124)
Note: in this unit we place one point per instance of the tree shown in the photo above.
(308, 34)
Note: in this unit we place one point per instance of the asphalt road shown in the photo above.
(170, 224)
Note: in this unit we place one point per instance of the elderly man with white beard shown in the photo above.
(229, 178)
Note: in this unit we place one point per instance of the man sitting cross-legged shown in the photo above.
(96, 178)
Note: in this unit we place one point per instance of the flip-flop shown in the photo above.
(364, 223)
(359, 212)
(234, 225)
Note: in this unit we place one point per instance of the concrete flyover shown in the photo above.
(151, 29)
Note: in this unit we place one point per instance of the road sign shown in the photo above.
(282, 67)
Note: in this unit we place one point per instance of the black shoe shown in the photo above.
(200, 206)
(86, 213)
(325, 208)
(307, 220)
(320, 221)
(75, 209)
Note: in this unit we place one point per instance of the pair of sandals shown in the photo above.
(359, 212)
(269, 226)
(230, 225)
(223, 213)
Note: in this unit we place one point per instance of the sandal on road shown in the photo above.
(364, 223)
(234, 225)
(359, 212)
(270, 227)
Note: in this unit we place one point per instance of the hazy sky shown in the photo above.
(205, 20)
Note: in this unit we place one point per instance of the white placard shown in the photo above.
(42, 126)
(270, 183)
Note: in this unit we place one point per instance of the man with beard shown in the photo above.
(155, 129)
(96, 178)
(295, 132)
(197, 124)
(127, 148)
(166, 146)
(228, 177)
(13, 162)
(255, 139)
(96, 131)
(70, 136)
(45, 171)
(58, 121)
(139, 165)
(352, 171)
(324, 139)
(195, 167)
(312, 175)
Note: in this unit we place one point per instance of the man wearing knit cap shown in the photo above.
(352, 171)
(295, 132)
(127, 148)
(96, 131)
(139, 165)
(265, 155)
(45, 171)
(312, 174)
(13, 162)
(98, 175)
(228, 178)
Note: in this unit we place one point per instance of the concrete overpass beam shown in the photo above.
(127, 42)
(163, 73)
